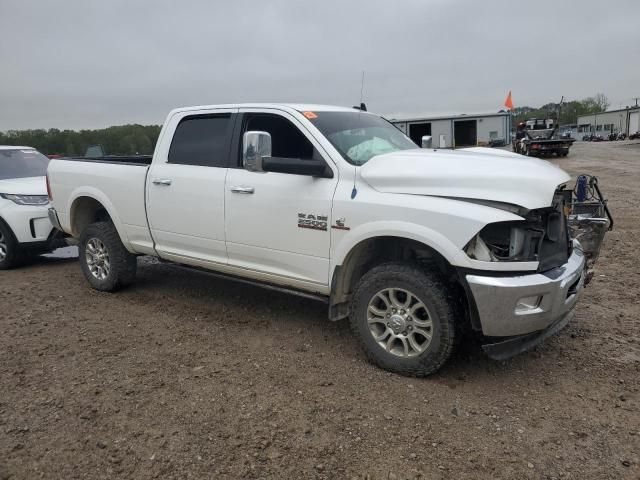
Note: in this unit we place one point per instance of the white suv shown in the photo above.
(24, 224)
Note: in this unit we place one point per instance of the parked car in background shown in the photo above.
(497, 142)
(25, 228)
(566, 135)
(592, 137)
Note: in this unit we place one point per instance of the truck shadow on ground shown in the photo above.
(277, 313)
(38, 261)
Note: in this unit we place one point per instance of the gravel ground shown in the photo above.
(187, 376)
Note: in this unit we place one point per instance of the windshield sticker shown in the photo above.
(310, 115)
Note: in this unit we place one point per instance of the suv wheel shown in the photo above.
(9, 250)
(105, 262)
(404, 318)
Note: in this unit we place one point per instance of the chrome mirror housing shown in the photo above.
(426, 141)
(255, 147)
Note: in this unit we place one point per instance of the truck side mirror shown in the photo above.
(255, 147)
(426, 141)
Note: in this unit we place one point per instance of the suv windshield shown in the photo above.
(359, 136)
(22, 163)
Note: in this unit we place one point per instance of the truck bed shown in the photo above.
(118, 183)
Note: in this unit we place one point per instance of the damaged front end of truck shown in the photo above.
(518, 312)
(546, 234)
(589, 219)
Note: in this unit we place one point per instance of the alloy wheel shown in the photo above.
(97, 257)
(3, 247)
(400, 322)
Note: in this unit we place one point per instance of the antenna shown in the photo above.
(362, 107)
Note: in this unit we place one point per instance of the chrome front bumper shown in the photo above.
(509, 306)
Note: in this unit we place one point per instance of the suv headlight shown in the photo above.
(26, 199)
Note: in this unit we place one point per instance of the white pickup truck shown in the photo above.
(414, 245)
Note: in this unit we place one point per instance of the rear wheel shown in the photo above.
(404, 319)
(10, 254)
(105, 262)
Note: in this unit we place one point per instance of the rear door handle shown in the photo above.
(245, 190)
(162, 181)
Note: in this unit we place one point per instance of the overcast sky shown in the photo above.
(86, 63)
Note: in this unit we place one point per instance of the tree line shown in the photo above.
(141, 139)
(118, 140)
(565, 113)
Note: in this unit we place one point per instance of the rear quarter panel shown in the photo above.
(119, 188)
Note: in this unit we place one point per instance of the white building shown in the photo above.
(625, 120)
(457, 130)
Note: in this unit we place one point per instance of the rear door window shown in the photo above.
(202, 140)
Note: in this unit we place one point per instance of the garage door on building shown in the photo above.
(465, 133)
(419, 130)
(634, 122)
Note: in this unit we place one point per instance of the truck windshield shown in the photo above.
(22, 163)
(359, 136)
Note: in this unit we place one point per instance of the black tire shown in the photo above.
(122, 264)
(12, 256)
(432, 292)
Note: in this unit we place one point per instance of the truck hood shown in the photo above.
(477, 173)
(24, 186)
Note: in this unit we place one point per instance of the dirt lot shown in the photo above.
(186, 376)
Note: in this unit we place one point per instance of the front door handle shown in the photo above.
(245, 190)
(162, 181)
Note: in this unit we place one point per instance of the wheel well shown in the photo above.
(8, 228)
(84, 212)
(375, 251)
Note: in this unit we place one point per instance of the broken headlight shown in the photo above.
(506, 242)
(541, 237)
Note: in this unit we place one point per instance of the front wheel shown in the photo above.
(105, 262)
(9, 250)
(404, 319)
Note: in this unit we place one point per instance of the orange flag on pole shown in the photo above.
(508, 102)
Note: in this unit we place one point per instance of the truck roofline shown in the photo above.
(301, 107)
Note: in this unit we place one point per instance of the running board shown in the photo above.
(246, 281)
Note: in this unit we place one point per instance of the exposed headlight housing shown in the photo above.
(26, 199)
(542, 236)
